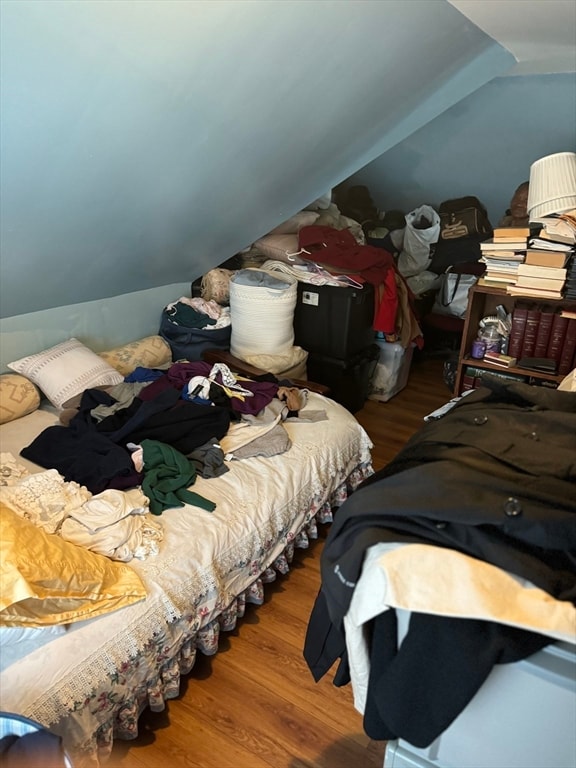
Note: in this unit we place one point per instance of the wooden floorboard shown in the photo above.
(255, 704)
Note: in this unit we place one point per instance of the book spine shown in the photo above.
(500, 375)
(546, 383)
(474, 376)
(468, 379)
(543, 335)
(545, 259)
(568, 349)
(519, 316)
(557, 335)
(530, 333)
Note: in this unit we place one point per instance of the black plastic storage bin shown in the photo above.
(332, 321)
(349, 380)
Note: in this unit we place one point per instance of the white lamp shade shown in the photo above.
(552, 185)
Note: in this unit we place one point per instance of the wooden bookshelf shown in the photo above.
(482, 302)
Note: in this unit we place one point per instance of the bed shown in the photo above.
(86, 670)
(448, 587)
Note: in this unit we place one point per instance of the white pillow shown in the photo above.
(66, 370)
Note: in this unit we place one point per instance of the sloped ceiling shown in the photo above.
(541, 34)
(143, 143)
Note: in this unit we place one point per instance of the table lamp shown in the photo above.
(552, 185)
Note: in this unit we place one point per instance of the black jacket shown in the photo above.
(495, 479)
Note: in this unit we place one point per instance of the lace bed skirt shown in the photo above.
(152, 676)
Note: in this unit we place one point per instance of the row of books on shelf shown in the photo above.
(474, 377)
(545, 332)
(533, 261)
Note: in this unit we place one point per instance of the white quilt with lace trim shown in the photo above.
(206, 560)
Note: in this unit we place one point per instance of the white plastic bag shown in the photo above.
(422, 230)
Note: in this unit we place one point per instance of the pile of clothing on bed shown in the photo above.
(124, 450)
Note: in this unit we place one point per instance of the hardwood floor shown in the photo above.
(254, 704)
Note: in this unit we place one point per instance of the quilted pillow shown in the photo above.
(279, 247)
(46, 580)
(294, 223)
(66, 370)
(149, 352)
(18, 397)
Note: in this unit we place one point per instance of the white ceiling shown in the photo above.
(540, 34)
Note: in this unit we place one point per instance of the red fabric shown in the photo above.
(338, 248)
(387, 307)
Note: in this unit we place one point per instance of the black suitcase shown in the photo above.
(349, 380)
(333, 321)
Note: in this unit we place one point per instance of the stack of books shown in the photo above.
(502, 254)
(497, 358)
(559, 228)
(549, 260)
(473, 376)
(543, 331)
(538, 280)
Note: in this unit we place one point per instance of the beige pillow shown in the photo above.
(46, 580)
(279, 247)
(149, 352)
(65, 370)
(18, 397)
(295, 223)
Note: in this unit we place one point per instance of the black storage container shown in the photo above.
(349, 380)
(332, 321)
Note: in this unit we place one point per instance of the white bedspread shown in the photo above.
(206, 560)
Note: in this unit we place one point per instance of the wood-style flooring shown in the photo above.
(255, 704)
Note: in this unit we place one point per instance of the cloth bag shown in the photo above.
(262, 313)
(452, 296)
(189, 343)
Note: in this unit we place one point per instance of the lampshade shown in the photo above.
(552, 185)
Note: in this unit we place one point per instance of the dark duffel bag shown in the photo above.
(464, 217)
(190, 343)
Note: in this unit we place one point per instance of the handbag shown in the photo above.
(452, 296)
(464, 217)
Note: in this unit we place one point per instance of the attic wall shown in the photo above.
(101, 325)
(482, 146)
(143, 143)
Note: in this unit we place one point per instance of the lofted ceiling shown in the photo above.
(540, 34)
(144, 142)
